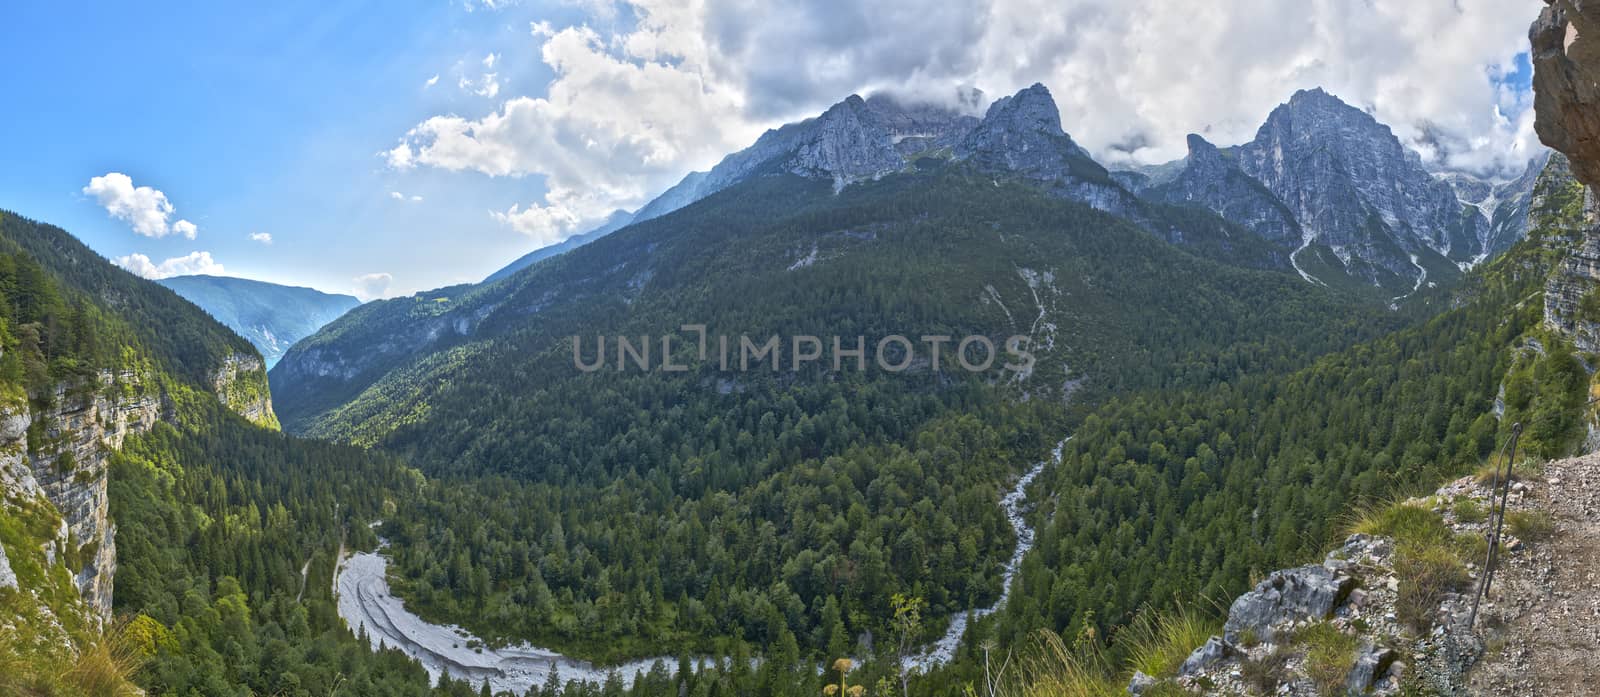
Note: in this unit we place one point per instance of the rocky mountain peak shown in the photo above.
(1359, 194)
(1032, 109)
(1205, 156)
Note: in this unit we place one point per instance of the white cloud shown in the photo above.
(416, 199)
(145, 209)
(372, 286)
(489, 61)
(431, 82)
(546, 225)
(397, 196)
(193, 263)
(679, 84)
(262, 237)
(399, 157)
(487, 85)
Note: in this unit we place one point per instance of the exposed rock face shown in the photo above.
(1354, 188)
(854, 140)
(1566, 82)
(67, 460)
(241, 384)
(860, 139)
(1286, 598)
(1214, 650)
(1371, 664)
(1564, 211)
(1326, 180)
(1504, 205)
(8, 578)
(1213, 179)
(1021, 135)
(1566, 85)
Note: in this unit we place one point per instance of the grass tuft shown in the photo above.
(1158, 644)
(1329, 655)
(1530, 525)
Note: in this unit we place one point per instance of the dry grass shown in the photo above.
(1157, 644)
(1530, 525)
(1052, 669)
(105, 668)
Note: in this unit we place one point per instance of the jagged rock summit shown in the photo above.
(1347, 196)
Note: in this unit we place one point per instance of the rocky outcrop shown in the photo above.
(241, 384)
(62, 452)
(1563, 212)
(1287, 599)
(1212, 178)
(1566, 82)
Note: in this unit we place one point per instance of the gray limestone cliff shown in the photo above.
(1566, 61)
(241, 384)
(1355, 189)
(1212, 178)
(1566, 82)
(61, 451)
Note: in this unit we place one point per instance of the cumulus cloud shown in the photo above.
(402, 197)
(372, 286)
(190, 264)
(677, 85)
(262, 237)
(430, 82)
(145, 209)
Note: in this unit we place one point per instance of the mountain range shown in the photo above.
(271, 316)
(1332, 192)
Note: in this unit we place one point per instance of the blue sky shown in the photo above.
(316, 122)
(260, 123)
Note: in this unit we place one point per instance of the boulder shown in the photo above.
(1288, 596)
(1372, 663)
(1140, 683)
(1214, 650)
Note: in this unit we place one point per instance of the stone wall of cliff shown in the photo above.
(241, 384)
(62, 451)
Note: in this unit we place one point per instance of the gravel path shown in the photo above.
(1542, 630)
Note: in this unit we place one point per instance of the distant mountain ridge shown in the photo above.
(1352, 200)
(271, 316)
(1329, 190)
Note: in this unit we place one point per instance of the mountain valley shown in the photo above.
(1221, 425)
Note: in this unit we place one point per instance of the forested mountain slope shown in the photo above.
(271, 316)
(684, 508)
(150, 534)
(1170, 495)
